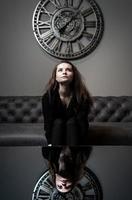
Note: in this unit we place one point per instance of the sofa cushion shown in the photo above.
(32, 134)
(18, 134)
(110, 133)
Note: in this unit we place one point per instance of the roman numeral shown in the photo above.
(66, 3)
(44, 25)
(44, 10)
(79, 4)
(69, 48)
(49, 183)
(89, 36)
(87, 186)
(70, 2)
(90, 24)
(56, 45)
(43, 197)
(80, 45)
(48, 36)
(44, 190)
(87, 12)
(56, 3)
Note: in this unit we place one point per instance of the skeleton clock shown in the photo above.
(88, 188)
(68, 29)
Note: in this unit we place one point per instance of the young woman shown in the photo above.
(66, 105)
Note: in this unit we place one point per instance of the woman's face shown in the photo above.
(64, 73)
(63, 184)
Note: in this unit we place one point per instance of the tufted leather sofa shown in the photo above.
(21, 121)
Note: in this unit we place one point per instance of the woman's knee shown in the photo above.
(71, 121)
(58, 122)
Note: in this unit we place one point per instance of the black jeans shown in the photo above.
(68, 132)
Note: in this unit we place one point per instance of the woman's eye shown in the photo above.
(59, 70)
(69, 186)
(59, 186)
(69, 70)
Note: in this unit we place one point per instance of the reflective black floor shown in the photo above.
(21, 168)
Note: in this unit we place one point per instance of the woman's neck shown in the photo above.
(64, 90)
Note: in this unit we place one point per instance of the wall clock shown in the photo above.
(68, 29)
(87, 188)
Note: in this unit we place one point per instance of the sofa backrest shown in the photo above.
(28, 109)
(111, 109)
(20, 109)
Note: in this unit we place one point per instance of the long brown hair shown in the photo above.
(69, 163)
(77, 84)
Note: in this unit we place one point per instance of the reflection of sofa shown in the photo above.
(21, 121)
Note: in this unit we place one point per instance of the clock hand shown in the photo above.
(62, 29)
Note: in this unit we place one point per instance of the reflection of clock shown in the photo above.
(87, 188)
(68, 29)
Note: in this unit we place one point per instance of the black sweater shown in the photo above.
(53, 108)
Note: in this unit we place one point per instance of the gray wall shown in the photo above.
(21, 167)
(25, 68)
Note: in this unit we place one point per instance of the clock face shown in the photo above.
(68, 29)
(87, 188)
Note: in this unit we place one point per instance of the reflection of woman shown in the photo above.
(66, 165)
(66, 105)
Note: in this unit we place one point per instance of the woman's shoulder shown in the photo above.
(49, 95)
(45, 95)
(85, 100)
(47, 92)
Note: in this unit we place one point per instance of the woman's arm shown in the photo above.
(48, 115)
(83, 110)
